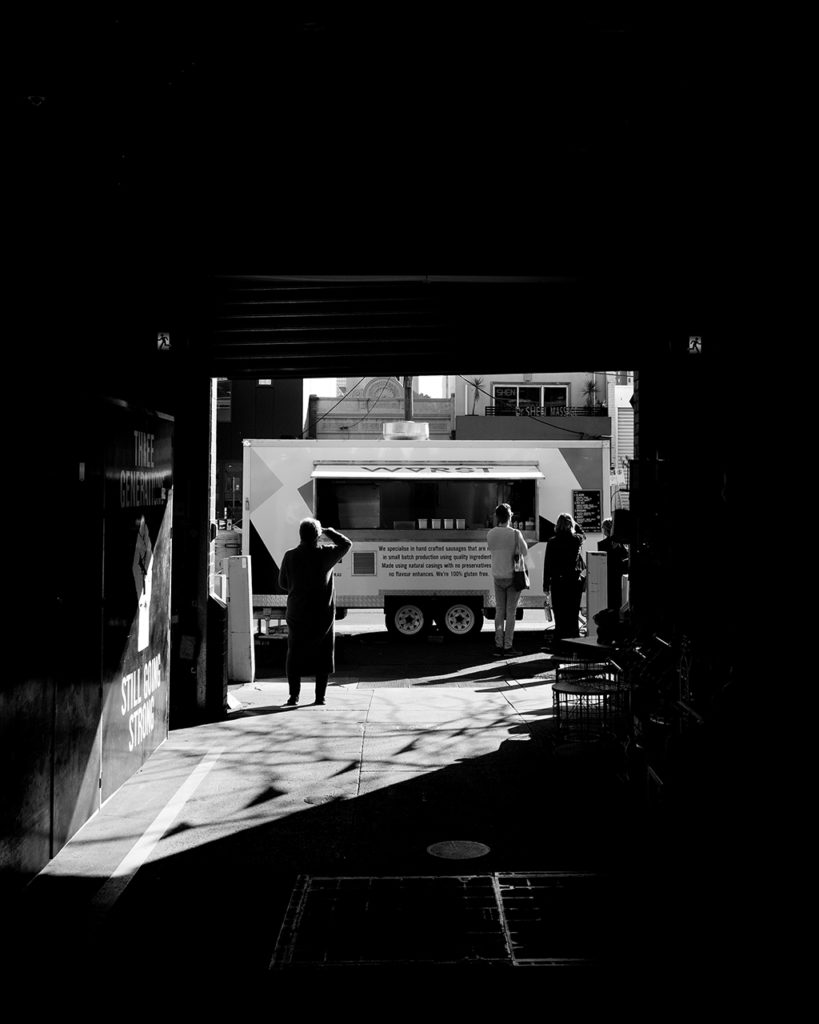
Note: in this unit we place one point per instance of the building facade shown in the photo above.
(249, 408)
(362, 407)
(533, 394)
(522, 406)
(552, 405)
(621, 411)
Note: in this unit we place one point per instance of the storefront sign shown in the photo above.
(136, 590)
(426, 471)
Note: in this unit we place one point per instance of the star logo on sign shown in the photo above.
(143, 552)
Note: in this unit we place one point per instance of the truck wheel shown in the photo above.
(407, 619)
(460, 620)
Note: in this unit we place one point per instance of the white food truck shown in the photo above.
(417, 513)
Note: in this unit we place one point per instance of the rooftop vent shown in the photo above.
(406, 430)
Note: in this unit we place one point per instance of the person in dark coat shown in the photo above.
(616, 566)
(307, 575)
(562, 576)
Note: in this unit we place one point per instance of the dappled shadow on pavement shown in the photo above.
(536, 804)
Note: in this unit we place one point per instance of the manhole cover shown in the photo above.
(325, 798)
(457, 849)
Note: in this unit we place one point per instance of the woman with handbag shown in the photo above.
(506, 545)
(563, 576)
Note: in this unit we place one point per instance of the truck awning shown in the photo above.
(426, 471)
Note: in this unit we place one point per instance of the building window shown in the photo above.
(529, 399)
(223, 403)
(506, 400)
(555, 398)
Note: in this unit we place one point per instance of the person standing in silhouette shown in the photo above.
(306, 575)
(616, 565)
(562, 576)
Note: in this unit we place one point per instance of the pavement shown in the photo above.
(428, 819)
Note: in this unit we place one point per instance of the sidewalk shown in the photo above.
(256, 835)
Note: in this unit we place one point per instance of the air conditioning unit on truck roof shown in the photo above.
(406, 430)
(418, 515)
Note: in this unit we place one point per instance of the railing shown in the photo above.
(546, 410)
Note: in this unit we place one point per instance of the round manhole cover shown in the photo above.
(458, 849)
(325, 798)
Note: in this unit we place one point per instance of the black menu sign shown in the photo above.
(586, 510)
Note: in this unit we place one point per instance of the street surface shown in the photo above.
(371, 620)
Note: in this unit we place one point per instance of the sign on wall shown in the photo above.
(136, 589)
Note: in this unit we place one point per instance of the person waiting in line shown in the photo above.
(307, 575)
(616, 565)
(504, 542)
(563, 577)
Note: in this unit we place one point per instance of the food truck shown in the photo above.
(417, 514)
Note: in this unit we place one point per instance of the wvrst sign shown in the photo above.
(137, 588)
(328, 470)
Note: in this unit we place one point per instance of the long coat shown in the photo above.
(560, 560)
(561, 577)
(307, 575)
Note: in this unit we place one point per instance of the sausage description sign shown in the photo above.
(438, 562)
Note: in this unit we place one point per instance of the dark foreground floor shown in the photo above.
(436, 831)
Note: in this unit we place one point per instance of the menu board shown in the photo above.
(586, 509)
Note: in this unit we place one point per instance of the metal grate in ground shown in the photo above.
(497, 919)
(562, 918)
(427, 684)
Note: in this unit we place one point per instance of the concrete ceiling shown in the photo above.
(329, 193)
(285, 327)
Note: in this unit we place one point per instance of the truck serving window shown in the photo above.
(352, 506)
(403, 504)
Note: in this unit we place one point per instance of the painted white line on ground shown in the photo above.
(110, 891)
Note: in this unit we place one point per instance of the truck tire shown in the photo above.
(407, 619)
(460, 619)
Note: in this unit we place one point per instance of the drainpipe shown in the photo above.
(408, 399)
